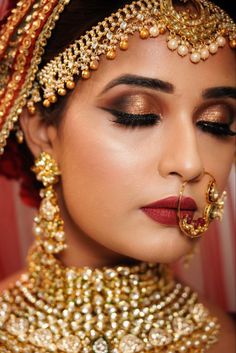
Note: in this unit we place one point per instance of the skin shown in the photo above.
(108, 171)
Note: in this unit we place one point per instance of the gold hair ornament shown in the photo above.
(195, 34)
(48, 225)
(31, 23)
(194, 228)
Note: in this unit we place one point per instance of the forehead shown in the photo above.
(152, 58)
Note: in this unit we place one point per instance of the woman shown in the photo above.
(132, 129)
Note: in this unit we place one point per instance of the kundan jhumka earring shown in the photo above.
(48, 225)
(214, 208)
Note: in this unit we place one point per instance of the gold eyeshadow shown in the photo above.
(134, 103)
(217, 113)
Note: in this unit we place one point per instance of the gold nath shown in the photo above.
(197, 34)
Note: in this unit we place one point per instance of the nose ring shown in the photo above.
(214, 208)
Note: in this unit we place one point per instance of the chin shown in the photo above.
(165, 246)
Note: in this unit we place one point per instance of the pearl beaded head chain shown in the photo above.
(197, 33)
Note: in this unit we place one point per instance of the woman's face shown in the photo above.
(132, 133)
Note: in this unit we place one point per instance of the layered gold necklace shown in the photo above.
(125, 309)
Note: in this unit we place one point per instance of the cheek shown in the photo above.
(218, 156)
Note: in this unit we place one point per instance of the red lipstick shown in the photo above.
(165, 211)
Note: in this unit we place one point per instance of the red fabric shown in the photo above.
(5, 7)
(16, 164)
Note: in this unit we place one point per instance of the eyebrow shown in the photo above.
(140, 81)
(219, 92)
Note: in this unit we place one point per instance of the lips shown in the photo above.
(165, 211)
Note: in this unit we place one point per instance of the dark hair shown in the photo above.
(78, 17)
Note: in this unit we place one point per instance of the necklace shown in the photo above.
(125, 309)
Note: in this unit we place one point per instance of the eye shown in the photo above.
(134, 120)
(218, 129)
(217, 120)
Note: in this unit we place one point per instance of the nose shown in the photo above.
(180, 153)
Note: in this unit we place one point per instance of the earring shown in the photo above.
(48, 225)
(214, 209)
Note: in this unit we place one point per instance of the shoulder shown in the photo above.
(227, 336)
(9, 281)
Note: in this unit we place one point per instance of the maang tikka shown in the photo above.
(48, 225)
(214, 208)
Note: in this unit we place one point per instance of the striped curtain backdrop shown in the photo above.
(212, 272)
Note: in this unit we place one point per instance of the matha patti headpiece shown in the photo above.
(195, 33)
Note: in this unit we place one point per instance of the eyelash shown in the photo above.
(146, 120)
(218, 129)
(135, 120)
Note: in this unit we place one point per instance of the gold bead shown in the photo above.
(85, 74)
(124, 45)
(46, 103)
(144, 33)
(61, 92)
(111, 54)
(162, 30)
(70, 84)
(31, 109)
(53, 98)
(94, 65)
(223, 32)
(232, 44)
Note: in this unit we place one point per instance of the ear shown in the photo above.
(39, 136)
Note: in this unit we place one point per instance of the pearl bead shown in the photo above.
(154, 31)
(195, 57)
(213, 47)
(221, 41)
(205, 53)
(172, 44)
(182, 50)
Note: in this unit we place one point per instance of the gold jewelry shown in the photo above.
(214, 208)
(48, 225)
(197, 35)
(27, 30)
(125, 309)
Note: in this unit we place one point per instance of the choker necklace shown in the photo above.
(125, 309)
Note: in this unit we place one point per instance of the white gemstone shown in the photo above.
(131, 344)
(100, 346)
(221, 41)
(182, 326)
(41, 338)
(60, 236)
(109, 35)
(123, 25)
(213, 47)
(17, 326)
(158, 337)
(4, 313)
(172, 44)
(70, 344)
(182, 50)
(199, 312)
(47, 210)
(154, 31)
(205, 53)
(195, 57)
